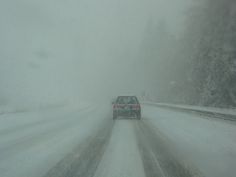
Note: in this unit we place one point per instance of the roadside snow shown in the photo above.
(14, 109)
(197, 108)
(207, 143)
(31, 143)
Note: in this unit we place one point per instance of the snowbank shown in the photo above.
(222, 113)
(208, 144)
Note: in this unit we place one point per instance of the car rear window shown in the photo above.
(127, 100)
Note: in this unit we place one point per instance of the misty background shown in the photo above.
(67, 51)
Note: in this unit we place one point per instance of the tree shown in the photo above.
(214, 57)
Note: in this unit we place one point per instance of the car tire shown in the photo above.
(138, 116)
(114, 116)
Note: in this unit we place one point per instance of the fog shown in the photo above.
(70, 51)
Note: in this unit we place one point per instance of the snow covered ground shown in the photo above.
(31, 143)
(208, 144)
(122, 155)
(222, 111)
(86, 142)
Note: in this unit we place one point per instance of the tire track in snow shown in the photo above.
(158, 160)
(125, 148)
(36, 137)
(83, 161)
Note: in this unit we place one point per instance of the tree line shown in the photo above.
(199, 67)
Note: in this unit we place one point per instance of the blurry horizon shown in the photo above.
(56, 51)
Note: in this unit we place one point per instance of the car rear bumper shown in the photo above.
(127, 113)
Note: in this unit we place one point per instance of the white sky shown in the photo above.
(56, 49)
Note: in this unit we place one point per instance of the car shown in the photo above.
(127, 106)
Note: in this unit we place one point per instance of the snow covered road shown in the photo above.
(207, 144)
(125, 148)
(87, 143)
(32, 143)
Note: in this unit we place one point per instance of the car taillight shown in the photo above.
(115, 106)
(137, 107)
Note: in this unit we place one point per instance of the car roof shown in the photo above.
(127, 96)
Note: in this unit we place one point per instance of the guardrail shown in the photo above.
(220, 113)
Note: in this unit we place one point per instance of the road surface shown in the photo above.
(88, 143)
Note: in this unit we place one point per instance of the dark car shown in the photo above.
(127, 106)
